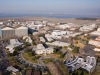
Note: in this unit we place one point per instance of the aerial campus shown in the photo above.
(49, 37)
(46, 47)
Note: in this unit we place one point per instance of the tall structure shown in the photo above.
(0, 33)
(21, 31)
(7, 33)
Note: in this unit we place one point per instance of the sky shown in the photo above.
(75, 7)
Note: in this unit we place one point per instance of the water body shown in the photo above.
(47, 15)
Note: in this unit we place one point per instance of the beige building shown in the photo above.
(8, 32)
(21, 31)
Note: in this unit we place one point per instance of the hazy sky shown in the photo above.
(84, 7)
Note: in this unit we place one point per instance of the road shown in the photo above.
(67, 56)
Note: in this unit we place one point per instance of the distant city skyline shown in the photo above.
(74, 7)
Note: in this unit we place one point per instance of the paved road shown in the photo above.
(26, 62)
(40, 60)
(67, 56)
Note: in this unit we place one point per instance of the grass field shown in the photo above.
(29, 58)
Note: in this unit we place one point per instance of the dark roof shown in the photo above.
(28, 72)
(37, 73)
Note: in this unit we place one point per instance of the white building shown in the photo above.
(40, 49)
(27, 39)
(42, 39)
(98, 29)
(12, 69)
(8, 32)
(90, 64)
(87, 28)
(75, 64)
(97, 49)
(58, 43)
(1, 23)
(97, 33)
(68, 25)
(48, 37)
(21, 31)
(13, 43)
(73, 34)
(57, 34)
(95, 43)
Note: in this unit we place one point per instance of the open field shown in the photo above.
(56, 20)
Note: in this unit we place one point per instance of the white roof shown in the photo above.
(58, 43)
(40, 46)
(97, 49)
(98, 29)
(22, 27)
(7, 28)
(96, 33)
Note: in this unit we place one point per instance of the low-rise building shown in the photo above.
(13, 43)
(87, 28)
(40, 49)
(12, 69)
(58, 43)
(27, 39)
(75, 64)
(48, 37)
(95, 43)
(96, 33)
(42, 39)
(68, 25)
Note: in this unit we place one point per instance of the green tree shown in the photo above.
(76, 49)
(71, 46)
(33, 58)
(56, 49)
(30, 53)
(15, 53)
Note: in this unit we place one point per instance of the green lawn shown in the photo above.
(29, 57)
(48, 60)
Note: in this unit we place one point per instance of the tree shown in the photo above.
(76, 49)
(33, 58)
(6, 72)
(71, 46)
(15, 48)
(76, 42)
(15, 53)
(30, 53)
(33, 53)
(85, 73)
(65, 47)
(56, 49)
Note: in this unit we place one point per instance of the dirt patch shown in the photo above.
(53, 69)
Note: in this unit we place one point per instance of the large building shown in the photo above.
(21, 31)
(96, 33)
(0, 33)
(7, 32)
(75, 64)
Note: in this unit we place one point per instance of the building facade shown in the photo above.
(21, 31)
(7, 33)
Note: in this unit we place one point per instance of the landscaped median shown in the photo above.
(29, 57)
